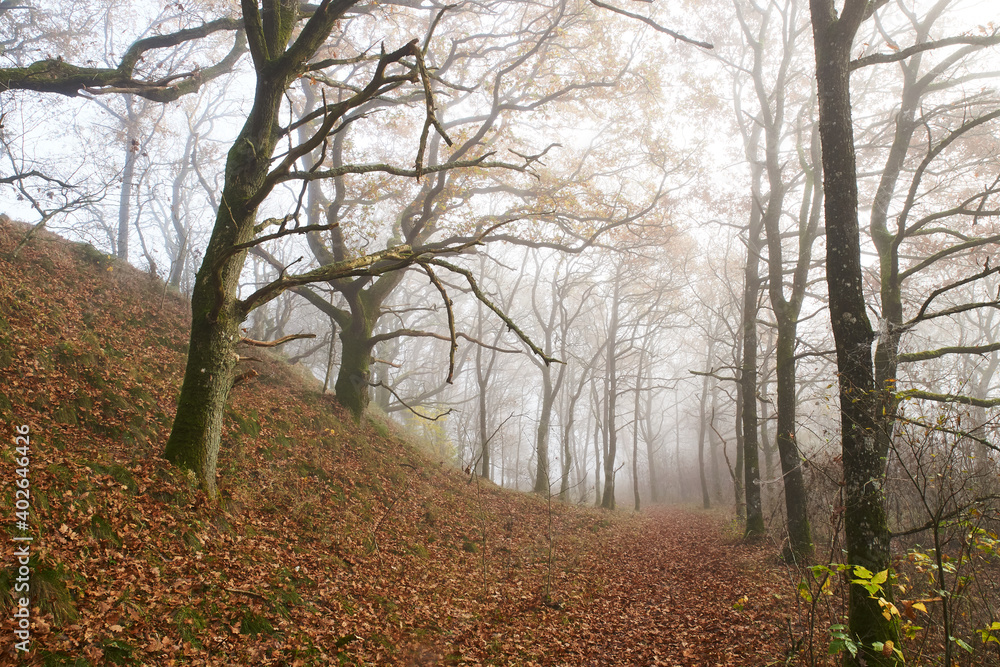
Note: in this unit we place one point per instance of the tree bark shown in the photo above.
(636, 409)
(706, 498)
(216, 311)
(748, 381)
(128, 179)
(655, 492)
(796, 498)
(865, 521)
(542, 476)
(611, 399)
(354, 375)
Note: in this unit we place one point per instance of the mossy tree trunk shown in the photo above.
(865, 522)
(354, 376)
(216, 310)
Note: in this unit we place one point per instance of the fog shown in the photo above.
(579, 249)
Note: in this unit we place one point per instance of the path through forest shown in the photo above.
(668, 589)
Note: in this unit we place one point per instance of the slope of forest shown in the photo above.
(332, 542)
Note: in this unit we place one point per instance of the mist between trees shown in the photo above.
(729, 253)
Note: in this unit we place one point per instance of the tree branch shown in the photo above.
(903, 54)
(950, 398)
(496, 309)
(403, 403)
(650, 22)
(942, 351)
(55, 75)
(921, 314)
(275, 343)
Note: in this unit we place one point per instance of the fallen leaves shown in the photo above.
(331, 543)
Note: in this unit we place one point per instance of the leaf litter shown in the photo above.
(332, 543)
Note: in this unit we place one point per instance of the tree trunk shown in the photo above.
(677, 451)
(636, 420)
(796, 499)
(635, 466)
(128, 180)
(655, 494)
(748, 382)
(353, 377)
(215, 331)
(568, 460)
(713, 447)
(611, 401)
(216, 313)
(484, 436)
(542, 480)
(197, 430)
(765, 437)
(598, 462)
(706, 498)
(865, 523)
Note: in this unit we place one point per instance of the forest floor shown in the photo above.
(332, 542)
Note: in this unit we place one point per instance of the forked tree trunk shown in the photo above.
(216, 312)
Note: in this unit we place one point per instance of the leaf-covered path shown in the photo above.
(667, 589)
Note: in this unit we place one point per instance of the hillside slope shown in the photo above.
(333, 543)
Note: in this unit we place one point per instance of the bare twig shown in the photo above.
(275, 343)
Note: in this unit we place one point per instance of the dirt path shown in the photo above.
(665, 589)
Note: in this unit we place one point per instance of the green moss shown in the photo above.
(59, 659)
(65, 353)
(190, 624)
(192, 540)
(48, 586)
(65, 414)
(6, 350)
(380, 427)
(140, 393)
(117, 651)
(308, 469)
(92, 256)
(102, 529)
(254, 624)
(248, 425)
(117, 472)
(420, 551)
